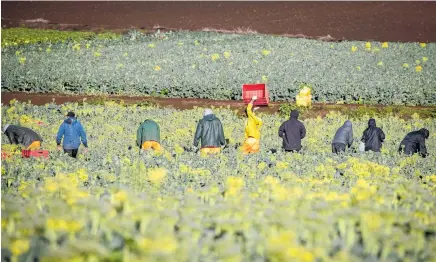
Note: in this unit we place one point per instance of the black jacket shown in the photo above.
(344, 135)
(292, 131)
(414, 142)
(373, 137)
(21, 135)
(210, 132)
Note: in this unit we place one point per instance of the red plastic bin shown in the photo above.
(35, 153)
(259, 90)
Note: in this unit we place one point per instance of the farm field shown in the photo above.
(214, 66)
(115, 204)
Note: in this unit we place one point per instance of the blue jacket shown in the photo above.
(72, 131)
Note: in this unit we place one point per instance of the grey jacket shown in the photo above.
(344, 135)
(21, 135)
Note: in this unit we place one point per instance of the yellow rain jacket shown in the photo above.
(253, 124)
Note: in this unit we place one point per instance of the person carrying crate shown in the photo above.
(211, 133)
(148, 136)
(252, 129)
(72, 131)
(24, 136)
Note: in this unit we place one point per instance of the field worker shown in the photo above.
(414, 142)
(23, 135)
(73, 132)
(211, 133)
(252, 129)
(292, 131)
(343, 138)
(148, 136)
(373, 137)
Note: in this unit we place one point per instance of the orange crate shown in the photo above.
(35, 153)
(259, 90)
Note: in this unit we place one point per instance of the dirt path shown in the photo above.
(189, 103)
(381, 21)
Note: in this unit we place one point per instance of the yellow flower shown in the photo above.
(120, 196)
(418, 68)
(156, 176)
(22, 60)
(227, 54)
(88, 45)
(19, 246)
(255, 61)
(151, 45)
(406, 65)
(157, 68)
(266, 52)
(196, 42)
(215, 57)
(423, 44)
(354, 48)
(264, 79)
(97, 54)
(380, 63)
(424, 59)
(368, 45)
(180, 44)
(385, 45)
(358, 68)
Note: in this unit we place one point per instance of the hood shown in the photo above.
(348, 123)
(425, 132)
(209, 117)
(5, 128)
(371, 123)
(70, 120)
(207, 112)
(295, 114)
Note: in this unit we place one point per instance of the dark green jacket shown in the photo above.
(210, 132)
(147, 131)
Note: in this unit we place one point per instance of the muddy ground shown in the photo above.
(381, 21)
(318, 109)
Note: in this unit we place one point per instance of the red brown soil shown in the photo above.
(380, 21)
(319, 109)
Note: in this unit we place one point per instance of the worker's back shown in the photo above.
(148, 131)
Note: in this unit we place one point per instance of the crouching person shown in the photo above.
(24, 136)
(252, 129)
(210, 132)
(414, 142)
(148, 136)
(72, 132)
(343, 138)
(292, 132)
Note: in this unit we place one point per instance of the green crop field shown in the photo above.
(212, 65)
(113, 204)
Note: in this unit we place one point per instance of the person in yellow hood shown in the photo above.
(252, 129)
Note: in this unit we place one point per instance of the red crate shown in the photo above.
(35, 153)
(259, 90)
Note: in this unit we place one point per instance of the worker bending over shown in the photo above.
(414, 142)
(343, 138)
(211, 134)
(24, 136)
(148, 136)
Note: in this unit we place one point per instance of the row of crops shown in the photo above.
(213, 65)
(114, 204)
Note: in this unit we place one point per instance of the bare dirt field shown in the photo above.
(380, 21)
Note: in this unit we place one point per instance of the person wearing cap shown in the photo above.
(252, 129)
(72, 131)
(414, 142)
(148, 136)
(23, 135)
(211, 134)
(292, 131)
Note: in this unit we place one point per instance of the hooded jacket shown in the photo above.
(414, 142)
(148, 131)
(21, 135)
(210, 132)
(373, 137)
(344, 135)
(292, 131)
(72, 131)
(253, 124)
